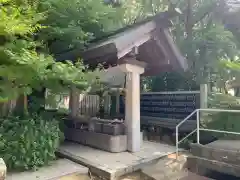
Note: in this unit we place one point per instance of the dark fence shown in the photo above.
(166, 105)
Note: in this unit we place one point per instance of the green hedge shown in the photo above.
(28, 143)
(224, 120)
(223, 101)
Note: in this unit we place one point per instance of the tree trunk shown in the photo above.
(237, 90)
(36, 101)
(7, 108)
(21, 108)
(74, 102)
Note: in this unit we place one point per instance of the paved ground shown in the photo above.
(75, 177)
(210, 176)
(115, 164)
(220, 176)
(138, 176)
(192, 176)
(57, 170)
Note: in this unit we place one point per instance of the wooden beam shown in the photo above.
(131, 45)
(181, 60)
(156, 70)
(163, 47)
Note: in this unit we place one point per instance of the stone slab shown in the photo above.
(232, 145)
(192, 176)
(207, 164)
(113, 129)
(113, 165)
(56, 171)
(75, 177)
(97, 140)
(217, 152)
(167, 168)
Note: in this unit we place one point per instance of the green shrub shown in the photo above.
(222, 101)
(28, 143)
(225, 121)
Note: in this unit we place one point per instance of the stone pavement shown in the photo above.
(75, 177)
(192, 176)
(56, 171)
(114, 165)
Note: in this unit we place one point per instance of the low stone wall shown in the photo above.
(3, 169)
(104, 134)
(97, 140)
(216, 154)
(202, 166)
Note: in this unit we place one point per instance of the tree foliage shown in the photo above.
(200, 34)
(25, 63)
(72, 24)
(31, 32)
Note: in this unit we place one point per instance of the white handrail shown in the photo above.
(220, 110)
(190, 115)
(198, 129)
(212, 130)
(187, 136)
(177, 127)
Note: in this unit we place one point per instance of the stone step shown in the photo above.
(201, 165)
(167, 169)
(61, 169)
(193, 176)
(215, 153)
(172, 176)
(75, 177)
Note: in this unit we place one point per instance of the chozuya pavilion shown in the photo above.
(145, 48)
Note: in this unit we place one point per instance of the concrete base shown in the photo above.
(106, 126)
(106, 142)
(218, 151)
(167, 168)
(97, 140)
(114, 165)
(58, 170)
(202, 166)
(221, 156)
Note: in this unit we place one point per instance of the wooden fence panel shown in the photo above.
(88, 103)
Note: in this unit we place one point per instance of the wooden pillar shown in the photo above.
(74, 102)
(132, 111)
(203, 104)
(203, 96)
(117, 102)
(107, 102)
(132, 105)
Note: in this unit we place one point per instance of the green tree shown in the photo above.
(206, 41)
(24, 67)
(73, 24)
(201, 36)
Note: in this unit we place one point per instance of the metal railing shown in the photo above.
(198, 129)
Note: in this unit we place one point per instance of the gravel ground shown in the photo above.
(192, 176)
(220, 176)
(211, 176)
